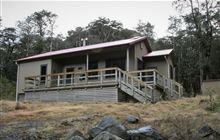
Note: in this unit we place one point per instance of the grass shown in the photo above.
(178, 116)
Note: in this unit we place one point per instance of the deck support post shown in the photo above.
(87, 62)
(132, 85)
(127, 59)
(152, 96)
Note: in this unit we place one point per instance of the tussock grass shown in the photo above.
(180, 116)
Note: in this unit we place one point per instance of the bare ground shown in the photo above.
(179, 117)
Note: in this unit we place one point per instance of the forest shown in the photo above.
(194, 34)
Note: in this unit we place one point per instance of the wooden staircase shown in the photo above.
(134, 87)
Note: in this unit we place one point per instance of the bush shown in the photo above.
(213, 103)
(7, 89)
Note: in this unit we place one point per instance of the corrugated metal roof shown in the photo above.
(159, 53)
(86, 48)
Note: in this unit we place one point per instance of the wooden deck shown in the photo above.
(138, 84)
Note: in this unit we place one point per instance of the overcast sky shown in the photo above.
(74, 13)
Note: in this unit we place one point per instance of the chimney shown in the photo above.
(84, 41)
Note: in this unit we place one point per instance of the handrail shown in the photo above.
(77, 72)
(133, 77)
(158, 79)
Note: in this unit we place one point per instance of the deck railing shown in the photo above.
(136, 83)
(99, 77)
(154, 77)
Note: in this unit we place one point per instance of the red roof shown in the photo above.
(159, 53)
(130, 41)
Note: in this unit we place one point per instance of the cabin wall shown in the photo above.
(139, 51)
(131, 59)
(101, 58)
(30, 69)
(159, 63)
(59, 65)
(170, 64)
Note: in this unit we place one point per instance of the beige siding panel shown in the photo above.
(107, 94)
(162, 66)
(31, 69)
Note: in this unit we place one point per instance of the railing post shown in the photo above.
(71, 80)
(154, 75)
(46, 78)
(101, 77)
(116, 76)
(119, 78)
(86, 77)
(141, 76)
(58, 80)
(34, 82)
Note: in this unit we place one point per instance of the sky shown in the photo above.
(72, 14)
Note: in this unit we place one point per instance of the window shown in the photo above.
(93, 65)
(119, 62)
(43, 73)
(140, 64)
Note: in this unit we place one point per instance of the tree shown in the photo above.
(35, 30)
(100, 30)
(201, 22)
(105, 29)
(193, 36)
(9, 44)
(27, 36)
(74, 37)
(146, 29)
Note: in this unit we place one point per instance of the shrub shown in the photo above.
(213, 103)
(7, 89)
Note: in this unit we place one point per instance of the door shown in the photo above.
(43, 73)
(69, 77)
(72, 77)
